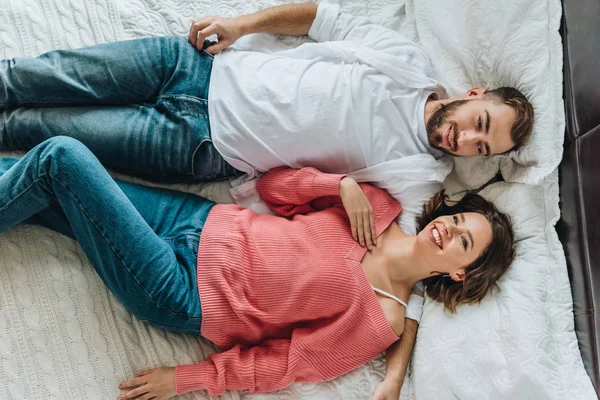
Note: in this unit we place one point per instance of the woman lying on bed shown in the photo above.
(286, 299)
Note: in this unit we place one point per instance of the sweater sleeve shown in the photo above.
(271, 366)
(289, 191)
(331, 24)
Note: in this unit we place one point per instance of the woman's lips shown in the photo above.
(433, 232)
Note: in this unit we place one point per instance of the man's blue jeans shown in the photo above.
(142, 241)
(140, 106)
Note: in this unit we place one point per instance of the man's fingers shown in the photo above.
(217, 48)
(203, 34)
(196, 27)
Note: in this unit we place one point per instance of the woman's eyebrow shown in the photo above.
(462, 217)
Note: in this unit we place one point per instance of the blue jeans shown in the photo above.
(142, 241)
(140, 106)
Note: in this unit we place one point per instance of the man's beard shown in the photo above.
(439, 118)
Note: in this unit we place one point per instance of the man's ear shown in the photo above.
(475, 93)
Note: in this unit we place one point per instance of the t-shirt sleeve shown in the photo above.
(415, 302)
(331, 24)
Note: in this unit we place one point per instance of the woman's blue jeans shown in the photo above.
(140, 106)
(142, 241)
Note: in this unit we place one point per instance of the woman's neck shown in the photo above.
(397, 255)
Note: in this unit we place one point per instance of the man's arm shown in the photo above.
(287, 19)
(397, 357)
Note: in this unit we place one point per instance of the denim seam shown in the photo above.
(3, 131)
(119, 258)
(19, 195)
(173, 96)
(186, 99)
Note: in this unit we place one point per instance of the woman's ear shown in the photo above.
(458, 276)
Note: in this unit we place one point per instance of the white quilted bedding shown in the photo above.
(63, 336)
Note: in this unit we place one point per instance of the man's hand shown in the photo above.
(227, 31)
(157, 384)
(389, 389)
(360, 213)
(286, 19)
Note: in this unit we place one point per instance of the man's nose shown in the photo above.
(468, 137)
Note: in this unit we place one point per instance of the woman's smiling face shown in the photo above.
(450, 243)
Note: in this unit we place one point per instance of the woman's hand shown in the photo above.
(228, 30)
(389, 389)
(360, 213)
(158, 384)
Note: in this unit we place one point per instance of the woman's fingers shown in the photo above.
(361, 229)
(132, 394)
(367, 227)
(146, 372)
(373, 230)
(359, 211)
(132, 383)
(353, 228)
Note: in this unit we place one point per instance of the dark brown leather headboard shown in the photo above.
(579, 228)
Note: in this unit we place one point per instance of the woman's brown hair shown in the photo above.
(482, 273)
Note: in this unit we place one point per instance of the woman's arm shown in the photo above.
(288, 191)
(271, 366)
(397, 357)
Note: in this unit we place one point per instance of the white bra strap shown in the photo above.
(391, 296)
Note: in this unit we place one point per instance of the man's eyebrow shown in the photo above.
(462, 216)
(487, 131)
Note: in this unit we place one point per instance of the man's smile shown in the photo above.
(449, 138)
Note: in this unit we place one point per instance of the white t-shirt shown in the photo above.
(352, 103)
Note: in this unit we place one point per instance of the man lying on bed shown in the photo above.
(362, 101)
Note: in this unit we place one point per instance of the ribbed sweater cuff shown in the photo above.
(195, 377)
(327, 184)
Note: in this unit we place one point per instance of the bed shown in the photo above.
(63, 336)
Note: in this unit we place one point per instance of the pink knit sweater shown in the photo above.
(287, 299)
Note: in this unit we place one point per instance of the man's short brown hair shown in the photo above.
(523, 126)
